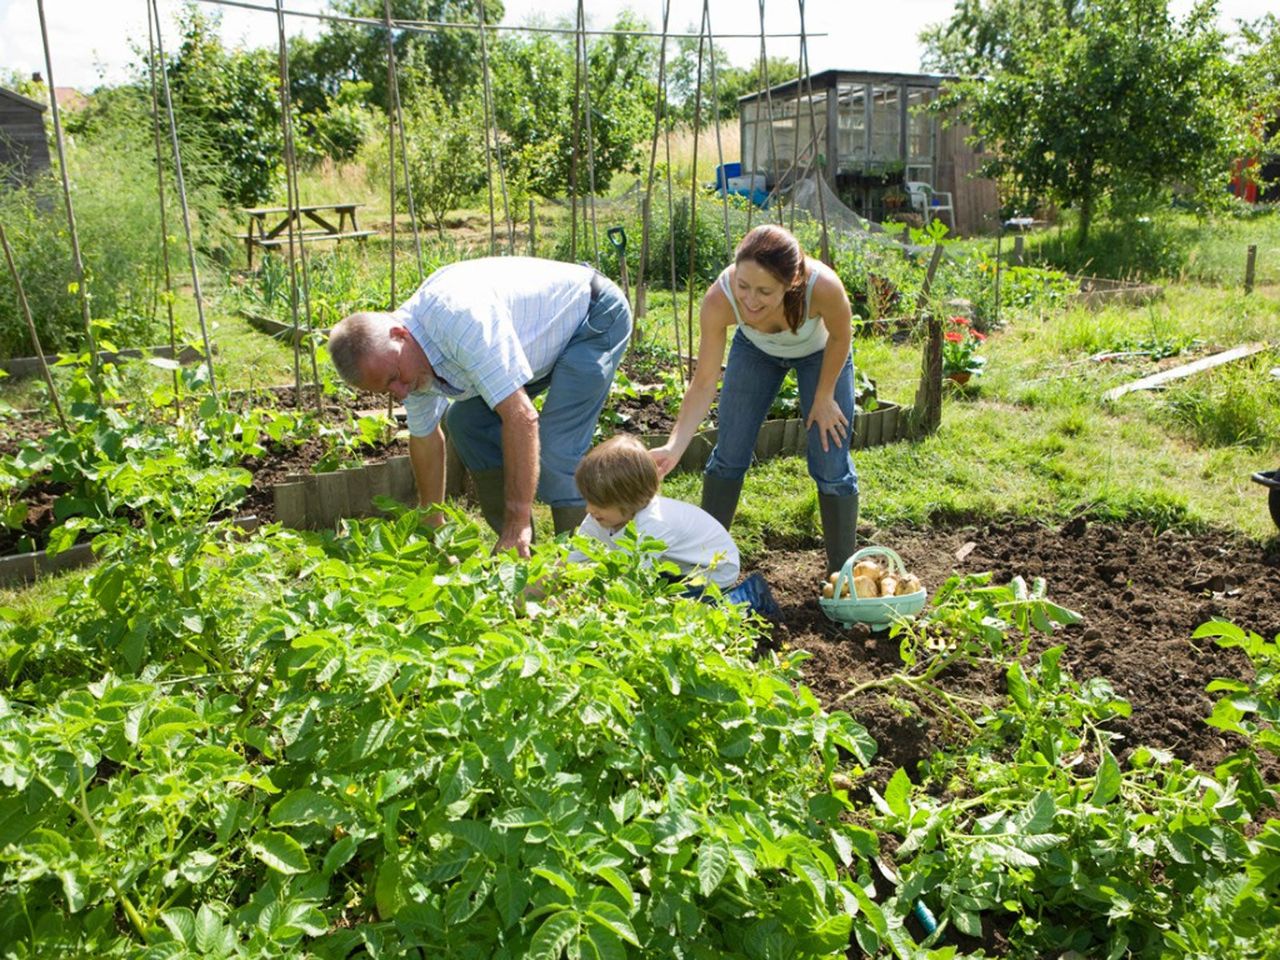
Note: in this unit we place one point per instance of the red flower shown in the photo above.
(955, 336)
(979, 336)
(961, 321)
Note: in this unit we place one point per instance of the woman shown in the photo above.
(791, 312)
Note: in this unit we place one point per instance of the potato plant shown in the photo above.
(376, 745)
(1037, 828)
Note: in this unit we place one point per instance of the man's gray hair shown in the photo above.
(354, 338)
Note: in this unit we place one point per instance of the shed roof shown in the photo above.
(25, 101)
(830, 78)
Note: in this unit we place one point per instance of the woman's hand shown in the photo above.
(665, 458)
(831, 421)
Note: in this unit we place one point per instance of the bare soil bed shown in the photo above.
(1141, 595)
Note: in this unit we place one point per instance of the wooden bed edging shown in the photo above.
(1102, 291)
(281, 331)
(317, 501)
(22, 568)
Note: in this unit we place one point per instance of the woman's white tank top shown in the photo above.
(810, 336)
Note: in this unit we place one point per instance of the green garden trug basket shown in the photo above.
(876, 612)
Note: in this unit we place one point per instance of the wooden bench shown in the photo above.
(322, 227)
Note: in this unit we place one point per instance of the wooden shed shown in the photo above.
(868, 135)
(24, 148)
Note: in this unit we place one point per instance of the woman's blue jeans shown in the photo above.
(752, 379)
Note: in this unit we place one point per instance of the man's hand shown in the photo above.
(519, 538)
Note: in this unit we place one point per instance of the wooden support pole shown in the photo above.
(1250, 260)
(533, 229)
(926, 414)
(1017, 250)
(644, 254)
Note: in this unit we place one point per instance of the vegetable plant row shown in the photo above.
(377, 745)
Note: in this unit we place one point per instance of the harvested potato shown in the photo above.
(908, 584)
(834, 577)
(866, 587)
(888, 585)
(844, 591)
(868, 568)
(828, 590)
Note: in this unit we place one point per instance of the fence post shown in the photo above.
(1249, 262)
(1017, 250)
(533, 229)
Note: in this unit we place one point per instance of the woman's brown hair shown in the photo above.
(775, 249)
(618, 473)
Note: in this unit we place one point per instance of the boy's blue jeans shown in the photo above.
(576, 390)
(752, 379)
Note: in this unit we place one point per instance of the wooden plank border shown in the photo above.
(20, 568)
(319, 501)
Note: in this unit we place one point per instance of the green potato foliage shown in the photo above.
(378, 743)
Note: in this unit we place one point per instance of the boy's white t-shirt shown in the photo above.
(696, 543)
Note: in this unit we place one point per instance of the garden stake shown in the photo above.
(693, 191)
(586, 112)
(671, 248)
(164, 217)
(658, 112)
(488, 152)
(813, 125)
(490, 114)
(1250, 258)
(95, 369)
(295, 208)
(768, 99)
(715, 98)
(394, 94)
(186, 210)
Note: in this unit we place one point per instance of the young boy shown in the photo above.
(619, 480)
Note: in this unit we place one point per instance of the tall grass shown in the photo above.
(682, 142)
(1235, 405)
(118, 224)
(1169, 245)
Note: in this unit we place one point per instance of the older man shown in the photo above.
(480, 339)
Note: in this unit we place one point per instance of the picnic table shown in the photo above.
(269, 226)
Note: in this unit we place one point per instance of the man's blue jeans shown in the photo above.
(576, 390)
(752, 379)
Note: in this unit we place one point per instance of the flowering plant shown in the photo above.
(959, 348)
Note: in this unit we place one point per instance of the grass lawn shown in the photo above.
(1031, 438)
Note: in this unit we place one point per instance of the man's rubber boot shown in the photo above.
(720, 497)
(839, 527)
(567, 519)
(491, 494)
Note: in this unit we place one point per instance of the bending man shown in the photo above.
(480, 339)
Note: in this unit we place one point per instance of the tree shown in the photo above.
(227, 106)
(446, 160)
(533, 93)
(1260, 65)
(731, 82)
(1085, 104)
(448, 59)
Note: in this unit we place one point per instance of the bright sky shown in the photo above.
(90, 39)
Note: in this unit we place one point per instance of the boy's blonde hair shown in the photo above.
(618, 473)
